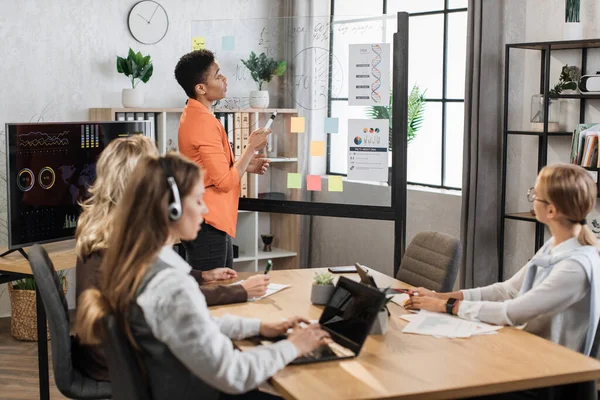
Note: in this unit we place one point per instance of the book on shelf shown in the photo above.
(237, 129)
(582, 149)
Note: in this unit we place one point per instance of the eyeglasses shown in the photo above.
(531, 196)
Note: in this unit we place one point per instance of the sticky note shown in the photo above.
(317, 149)
(313, 182)
(335, 183)
(198, 43)
(294, 181)
(297, 125)
(332, 125)
(228, 43)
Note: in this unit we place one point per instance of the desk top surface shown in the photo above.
(403, 366)
(62, 255)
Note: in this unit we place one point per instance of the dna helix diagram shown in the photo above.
(376, 73)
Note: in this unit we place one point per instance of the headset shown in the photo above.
(174, 210)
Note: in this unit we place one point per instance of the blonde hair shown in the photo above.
(113, 169)
(571, 189)
(140, 228)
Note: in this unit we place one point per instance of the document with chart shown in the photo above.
(368, 141)
(369, 75)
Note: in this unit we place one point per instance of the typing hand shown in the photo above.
(219, 274)
(274, 329)
(425, 303)
(256, 286)
(307, 339)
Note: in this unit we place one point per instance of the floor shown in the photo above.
(19, 368)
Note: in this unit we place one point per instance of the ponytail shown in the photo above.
(91, 310)
(587, 238)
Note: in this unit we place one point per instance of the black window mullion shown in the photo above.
(444, 92)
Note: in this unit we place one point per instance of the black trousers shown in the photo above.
(211, 249)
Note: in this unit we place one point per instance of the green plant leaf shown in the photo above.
(280, 69)
(136, 67)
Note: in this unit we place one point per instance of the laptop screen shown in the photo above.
(351, 311)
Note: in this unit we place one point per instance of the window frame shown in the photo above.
(444, 99)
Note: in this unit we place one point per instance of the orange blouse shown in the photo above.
(203, 140)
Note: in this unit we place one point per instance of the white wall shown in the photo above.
(58, 60)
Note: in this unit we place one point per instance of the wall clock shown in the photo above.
(148, 22)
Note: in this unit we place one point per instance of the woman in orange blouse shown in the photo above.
(203, 139)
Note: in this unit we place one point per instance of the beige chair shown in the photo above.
(431, 260)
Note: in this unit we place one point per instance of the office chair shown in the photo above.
(125, 374)
(69, 380)
(431, 260)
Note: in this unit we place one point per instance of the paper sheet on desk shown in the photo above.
(271, 289)
(448, 326)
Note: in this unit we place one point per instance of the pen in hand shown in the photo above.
(269, 267)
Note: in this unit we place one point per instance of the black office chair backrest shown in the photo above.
(431, 260)
(125, 374)
(69, 380)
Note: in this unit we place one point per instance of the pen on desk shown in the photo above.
(269, 266)
(407, 291)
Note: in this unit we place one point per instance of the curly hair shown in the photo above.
(192, 68)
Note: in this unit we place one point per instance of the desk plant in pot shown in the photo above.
(137, 68)
(415, 117)
(23, 322)
(322, 288)
(262, 69)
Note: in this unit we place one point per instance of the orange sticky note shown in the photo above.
(335, 183)
(313, 182)
(297, 125)
(294, 181)
(317, 149)
(198, 43)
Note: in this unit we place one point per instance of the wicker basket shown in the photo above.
(23, 322)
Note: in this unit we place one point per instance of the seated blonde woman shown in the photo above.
(557, 293)
(95, 225)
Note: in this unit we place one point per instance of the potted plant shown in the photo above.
(262, 69)
(137, 68)
(23, 322)
(380, 326)
(573, 29)
(415, 116)
(322, 288)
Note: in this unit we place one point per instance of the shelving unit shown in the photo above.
(284, 227)
(546, 49)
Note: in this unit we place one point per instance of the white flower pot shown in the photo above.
(320, 294)
(573, 31)
(259, 99)
(132, 98)
(380, 326)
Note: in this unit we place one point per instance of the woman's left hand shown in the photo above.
(219, 274)
(425, 303)
(274, 329)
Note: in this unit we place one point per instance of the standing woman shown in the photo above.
(557, 293)
(203, 139)
(185, 352)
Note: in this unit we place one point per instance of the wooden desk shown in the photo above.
(13, 267)
(405, 366)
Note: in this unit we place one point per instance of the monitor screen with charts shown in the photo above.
(49, 169)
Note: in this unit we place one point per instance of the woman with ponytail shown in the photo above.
(94, 228)
(186, 353)
(557, 293)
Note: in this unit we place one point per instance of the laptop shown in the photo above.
(368, 280)
(348, 318)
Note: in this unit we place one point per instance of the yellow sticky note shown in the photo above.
(198, 43)
(317, 149)
(335, 183)
(297, 125)
(294, 181)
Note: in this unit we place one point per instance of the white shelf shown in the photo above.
(243, 258)
(276, 253)
(282, 159)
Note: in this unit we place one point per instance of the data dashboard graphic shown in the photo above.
(50, 168)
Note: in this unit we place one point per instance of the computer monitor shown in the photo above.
(50, 166)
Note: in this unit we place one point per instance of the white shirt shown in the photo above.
(176, 312)
(558, 308)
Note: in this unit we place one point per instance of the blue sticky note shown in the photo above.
(332, 125)
(228, 43)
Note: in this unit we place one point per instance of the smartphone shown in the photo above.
(342, 270)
